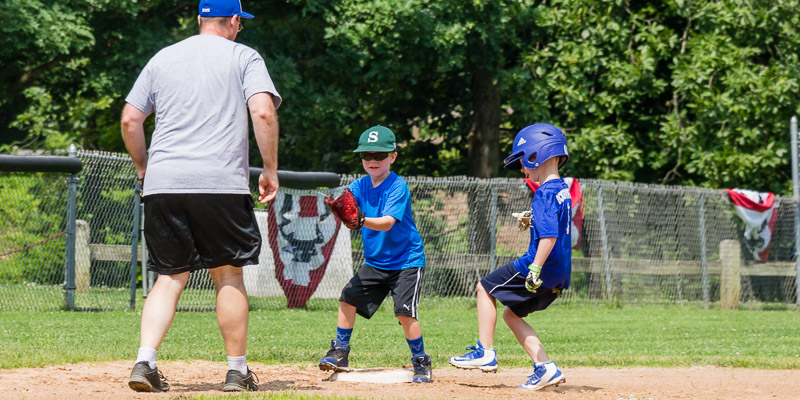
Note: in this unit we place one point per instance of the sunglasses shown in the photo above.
(375, 156)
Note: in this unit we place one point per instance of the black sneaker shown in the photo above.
(423, 372)
(146, 379)
(336, 358)
(236, 382)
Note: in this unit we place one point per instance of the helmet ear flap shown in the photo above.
(532, 158)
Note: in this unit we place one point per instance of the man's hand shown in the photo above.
(532, 281)
(267, 186)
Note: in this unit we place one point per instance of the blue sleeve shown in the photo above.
(545, 213)
(397, 201)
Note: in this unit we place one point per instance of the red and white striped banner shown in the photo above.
(758, 210)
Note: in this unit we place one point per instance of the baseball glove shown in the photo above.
(346, 209)
(523, 219)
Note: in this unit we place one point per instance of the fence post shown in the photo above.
(135, 244)
(703, 259)
(83, 259)
(493, 229)
(730, 280)
(604, 240)
(72, 202)
(796, 199)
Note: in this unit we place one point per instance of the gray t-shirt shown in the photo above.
(198, 89)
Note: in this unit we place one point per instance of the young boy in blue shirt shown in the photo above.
(534, 280)
(394, 257)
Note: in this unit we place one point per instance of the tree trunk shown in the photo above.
(483, 156)
(484, 136)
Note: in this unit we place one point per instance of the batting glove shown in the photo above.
(532, 281)
(523, 219)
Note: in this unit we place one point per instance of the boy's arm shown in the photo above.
(532, 281)
(383, 223)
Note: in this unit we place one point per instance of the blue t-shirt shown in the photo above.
(399, 247)
(551, 209)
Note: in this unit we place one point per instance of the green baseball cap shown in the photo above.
(377, 138)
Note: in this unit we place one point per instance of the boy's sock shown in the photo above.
(147, 354)
(416, 346)
(343, 335)
(238, 364)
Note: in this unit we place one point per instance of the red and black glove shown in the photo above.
(346, 209)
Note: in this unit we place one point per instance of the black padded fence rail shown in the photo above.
(12, 163)
(302, 180)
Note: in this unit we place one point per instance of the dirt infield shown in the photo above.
(109, 380)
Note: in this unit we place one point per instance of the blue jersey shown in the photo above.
(399, 247)
(552, 218)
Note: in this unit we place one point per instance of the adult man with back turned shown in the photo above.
(198, 207)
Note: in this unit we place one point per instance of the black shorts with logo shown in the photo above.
(187, 232)
(367, 289)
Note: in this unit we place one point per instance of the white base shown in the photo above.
(374, 375)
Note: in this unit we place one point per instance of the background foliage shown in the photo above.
(678, 92)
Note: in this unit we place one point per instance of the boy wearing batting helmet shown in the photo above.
(394, 257)
(533, 281)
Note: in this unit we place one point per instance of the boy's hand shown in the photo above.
(523, 219)
(532, 281)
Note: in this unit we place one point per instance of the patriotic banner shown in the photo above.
(304, 251)
(758, 210)
(577, 207)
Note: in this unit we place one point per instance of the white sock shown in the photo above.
(238, 364)
(147, 354)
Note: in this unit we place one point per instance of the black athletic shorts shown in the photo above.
(367, 289)
(187, 232)
(508, 285)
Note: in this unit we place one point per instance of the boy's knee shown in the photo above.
(509, 315)
(404, 319)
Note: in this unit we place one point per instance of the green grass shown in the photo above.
(573, 335)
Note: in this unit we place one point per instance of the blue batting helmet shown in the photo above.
(536, 144)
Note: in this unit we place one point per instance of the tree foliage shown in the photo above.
(674, 91)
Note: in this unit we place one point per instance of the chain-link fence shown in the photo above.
(638, 243)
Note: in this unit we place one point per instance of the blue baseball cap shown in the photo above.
(222, 8)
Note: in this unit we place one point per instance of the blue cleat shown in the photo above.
(423, 373)
(336, 358)
(544, 374)
(479, 358)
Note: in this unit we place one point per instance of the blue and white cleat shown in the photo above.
(479, 358)
(544, 374)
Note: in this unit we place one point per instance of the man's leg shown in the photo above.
(159, 308)
(232, 317)
(526, 336)
(157, 316)
(232, 308)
